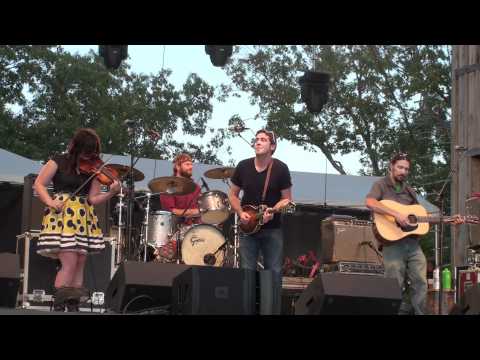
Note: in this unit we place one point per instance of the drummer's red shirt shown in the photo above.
(170, 202)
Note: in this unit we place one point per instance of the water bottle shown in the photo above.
(436, 279)
(446, 279)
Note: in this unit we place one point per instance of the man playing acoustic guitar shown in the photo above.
(404, 256)
(264, 181)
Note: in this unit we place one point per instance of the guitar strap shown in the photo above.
(267, 180)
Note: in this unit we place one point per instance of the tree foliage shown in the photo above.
(47, 93)
(382, 99)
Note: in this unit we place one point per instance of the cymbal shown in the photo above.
(123, 172)
(220, 173)
(172, 185)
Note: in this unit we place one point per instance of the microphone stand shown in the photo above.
(441, 201)
(131, 189)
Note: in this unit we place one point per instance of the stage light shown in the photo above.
(113, 55)
(219, 54)
(314, 90)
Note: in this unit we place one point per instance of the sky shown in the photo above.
(183, 60)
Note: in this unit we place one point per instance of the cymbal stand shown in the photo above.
(120, 244)
(178, 230)
(144, 233)
(236, 233)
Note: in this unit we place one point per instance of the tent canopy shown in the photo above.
(308, 188)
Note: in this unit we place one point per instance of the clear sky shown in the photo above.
(185, 59)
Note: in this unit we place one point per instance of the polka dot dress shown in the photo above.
(73, 229)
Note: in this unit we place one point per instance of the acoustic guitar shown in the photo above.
(256, 216)
(387, 229)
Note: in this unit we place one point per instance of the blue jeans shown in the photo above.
(270, 243)
(405, 259)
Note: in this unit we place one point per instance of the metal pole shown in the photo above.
(145, 237)
(119, 245)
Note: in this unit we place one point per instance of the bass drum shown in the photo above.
(203, 245)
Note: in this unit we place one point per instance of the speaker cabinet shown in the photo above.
(469, 303)
(9, 279)
(137, 285)
(214, 291)
(349, 294)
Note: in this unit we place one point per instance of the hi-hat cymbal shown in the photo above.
(220, 173)
(173, 185)
(124, 171)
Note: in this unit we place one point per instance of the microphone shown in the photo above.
(205, 185)
(238, 128)
(209, 259)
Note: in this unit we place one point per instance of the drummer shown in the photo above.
(182, 167)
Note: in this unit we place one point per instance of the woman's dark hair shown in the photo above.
(400, 156)
(85, 141)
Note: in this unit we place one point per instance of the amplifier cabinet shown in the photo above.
(351, 240)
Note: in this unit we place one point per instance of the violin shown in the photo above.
(106, 175)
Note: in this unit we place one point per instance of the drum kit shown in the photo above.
(162, 236)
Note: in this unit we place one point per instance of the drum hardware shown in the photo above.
(211, 258)
(201, 245)
(172, 185)
(124, 170)
(224, 174)
(220, 173)
(214, 207)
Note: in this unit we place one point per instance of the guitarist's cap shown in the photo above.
(399, 156)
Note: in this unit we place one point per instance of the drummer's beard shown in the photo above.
(185, 174)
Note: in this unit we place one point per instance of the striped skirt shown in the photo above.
(75, 228)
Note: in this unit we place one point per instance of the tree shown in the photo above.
(382, 99)
(49, 93)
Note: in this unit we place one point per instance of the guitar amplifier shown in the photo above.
(348, 239)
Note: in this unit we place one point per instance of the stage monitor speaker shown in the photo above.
(350, 294)
(138, 285)
(9, 279)
(209, 290)
(348, 241)
(469, 303)
(33, 209)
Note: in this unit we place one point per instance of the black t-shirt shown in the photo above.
(63, 181)
(252, 182)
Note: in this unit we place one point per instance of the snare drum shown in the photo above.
(160, 228)
(214, 207)
(202, 245)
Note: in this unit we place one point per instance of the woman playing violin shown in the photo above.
(70, 229)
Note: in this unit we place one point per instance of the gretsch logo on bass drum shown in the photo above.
(196, 239)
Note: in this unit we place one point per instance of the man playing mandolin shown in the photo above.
(404, 257)
(264, 181)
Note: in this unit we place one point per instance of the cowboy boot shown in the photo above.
(59, 300)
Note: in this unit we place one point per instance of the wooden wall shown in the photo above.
(465, 133)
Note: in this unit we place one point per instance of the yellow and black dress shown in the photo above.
(76, 227)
